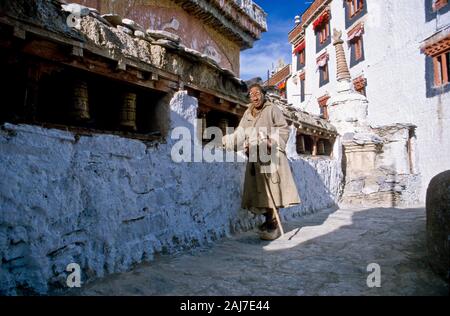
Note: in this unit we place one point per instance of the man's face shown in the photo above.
(256, 97)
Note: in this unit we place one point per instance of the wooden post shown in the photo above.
(314, 151)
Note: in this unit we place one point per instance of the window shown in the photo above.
(354, 7)
(302, 87)
(322, 64)
(323, 106)
(324, 75)
(321, 27)
(299, 52)
(354, 37)
(301, 59)
(323, 32)
(357, 51)
(357, 46)
(441, 68)
(437, 68)
(439, 4)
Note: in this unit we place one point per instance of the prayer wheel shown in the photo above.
(80, 101)
(321, 148)
(128, 112)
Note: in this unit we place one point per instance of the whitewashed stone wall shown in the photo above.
(107, 202)
(396, 74)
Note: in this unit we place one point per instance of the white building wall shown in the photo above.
(396, 76)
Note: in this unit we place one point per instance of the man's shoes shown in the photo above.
(262, 227)
(270, 230)
(269, 224)
(270, 234)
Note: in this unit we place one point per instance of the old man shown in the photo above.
(267, 186)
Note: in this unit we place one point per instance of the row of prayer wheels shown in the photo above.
(80, 106)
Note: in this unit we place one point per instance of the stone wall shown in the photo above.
(107, 202)
(379, 169)
(167, 15)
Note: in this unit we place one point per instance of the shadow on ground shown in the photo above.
(326, 253)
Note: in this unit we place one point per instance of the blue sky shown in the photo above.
(274, 44)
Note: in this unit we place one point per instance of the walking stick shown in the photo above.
(277, 217)
(279, 223)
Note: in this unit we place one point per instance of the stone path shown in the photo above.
(326, 253)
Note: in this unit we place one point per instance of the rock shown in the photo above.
(99, 18)
(114, 19)
(438, 223)
(140, 34)
(132, 25)
(76, 9)
(163, 35)
(125, 30)
(193, 52)
(167, 43)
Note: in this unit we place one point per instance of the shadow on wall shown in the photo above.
(318, 183)
(333, 250)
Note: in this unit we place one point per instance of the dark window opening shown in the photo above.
(213, 118)
(441, 69)
(45, 94)
(324, 75)
(354, 9)
(357, 51)
(302, 89)
(323, 37)
(312, 145)
(324, 112)
(304, 144)
(324, 147)
(301, 60)
(85, 100)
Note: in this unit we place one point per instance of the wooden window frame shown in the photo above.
(357, 46)
(324, 32)
(323, 106)
(441, 68)
(302, 78)
(302, 57)
(354, 7)
(439, 4)
(325, 74)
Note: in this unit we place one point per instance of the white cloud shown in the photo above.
(255, 62)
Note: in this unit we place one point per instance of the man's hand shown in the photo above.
(266, 139)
